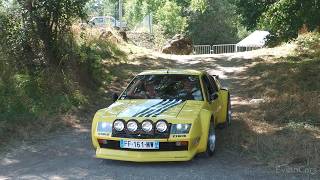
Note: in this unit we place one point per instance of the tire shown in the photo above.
(211, 143)
(227, 123)
(229, 112)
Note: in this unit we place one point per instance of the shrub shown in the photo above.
(309, 44)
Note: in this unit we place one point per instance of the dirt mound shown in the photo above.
(179, 45)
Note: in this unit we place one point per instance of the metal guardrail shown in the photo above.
(222, 48)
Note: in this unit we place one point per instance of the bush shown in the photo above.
(309, 44)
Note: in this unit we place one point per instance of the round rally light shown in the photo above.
(118, 125)
(161, 126)
(147, 126)
(132, 126)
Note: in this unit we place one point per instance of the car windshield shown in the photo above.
(168, 86)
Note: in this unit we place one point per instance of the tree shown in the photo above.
(48, 21)
(215, 24)
(251, 10)
(170, 19)
(285, 17)
(206, 21)
(136, 10)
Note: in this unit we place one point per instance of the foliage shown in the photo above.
(159, 37)
(45, 24)
(251, 10)
(199, 5)
(283, 18)
(45, 70)
(224, 28)
(192, 17)
(309, 44)
(135, 11)
(92, 51)
(167, 14)
(101, 7)
(169, 18)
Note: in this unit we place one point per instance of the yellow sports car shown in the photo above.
(163, 115)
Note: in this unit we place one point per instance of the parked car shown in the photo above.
(103, 21)
(163, 115)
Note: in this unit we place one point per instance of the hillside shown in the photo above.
(270, 90)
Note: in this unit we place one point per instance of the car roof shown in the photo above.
(172, 71)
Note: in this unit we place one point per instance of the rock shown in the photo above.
(123, 35)
(179, 45)
(256, 101)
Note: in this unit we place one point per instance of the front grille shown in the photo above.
(163, 146)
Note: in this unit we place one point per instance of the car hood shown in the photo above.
(154, 108)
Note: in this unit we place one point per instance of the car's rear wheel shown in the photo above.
(211, 144)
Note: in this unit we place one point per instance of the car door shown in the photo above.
(213, 102)
(217, 88)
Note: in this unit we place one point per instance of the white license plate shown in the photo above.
(133, 144)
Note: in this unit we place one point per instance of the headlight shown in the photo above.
(118, 125)
(180, 128)
(104, 127)
(161, 126)
(147, 126)
(132, 126)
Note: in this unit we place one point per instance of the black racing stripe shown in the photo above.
(149, 110)
(146, 109)
(163, 110)
(164, 105)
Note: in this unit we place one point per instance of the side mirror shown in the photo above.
(214, 96)
(115, 97)
(216, 76)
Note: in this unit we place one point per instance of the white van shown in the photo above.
(103, 21)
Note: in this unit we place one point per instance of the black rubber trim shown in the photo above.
(163, 146)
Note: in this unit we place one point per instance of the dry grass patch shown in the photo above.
(284, 129)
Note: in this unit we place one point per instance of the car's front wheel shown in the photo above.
(228, 120)
(211, 144)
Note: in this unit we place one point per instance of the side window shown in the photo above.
(95, 20)
(218, 83)
(208, 89)
(214, 83)
(99, 20)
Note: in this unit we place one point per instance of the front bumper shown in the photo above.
(143, 156)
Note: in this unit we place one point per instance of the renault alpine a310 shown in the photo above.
(163, 115)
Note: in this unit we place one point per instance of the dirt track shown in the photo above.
(68, 154)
